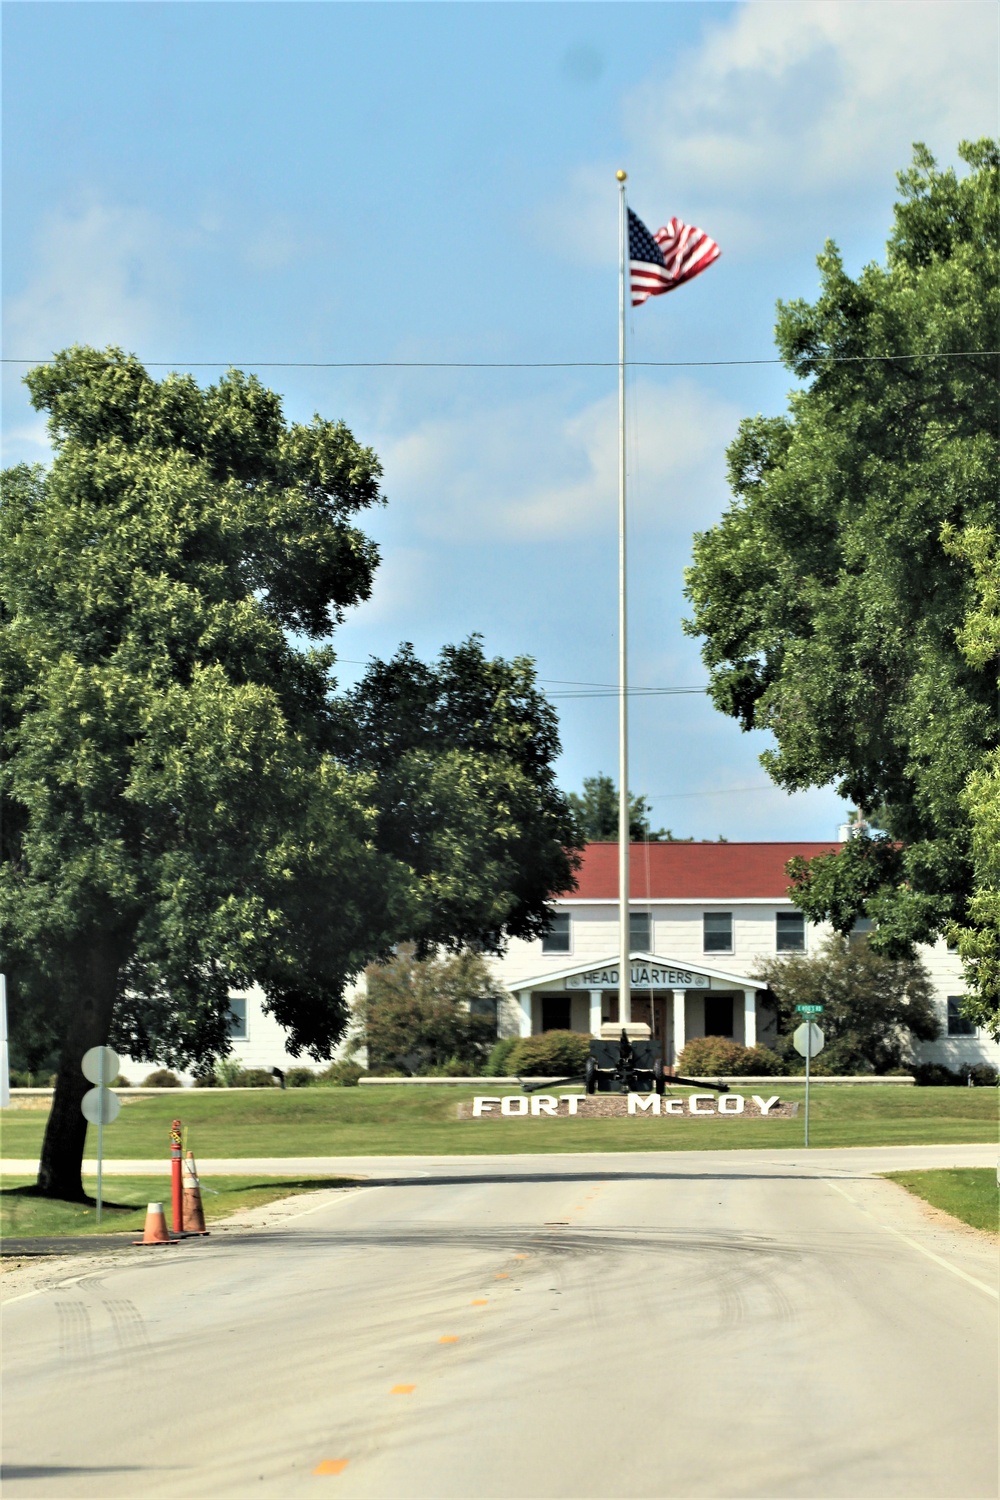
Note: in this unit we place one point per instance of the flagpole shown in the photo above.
(624, 956)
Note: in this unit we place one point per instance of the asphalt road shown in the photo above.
(691, 1324)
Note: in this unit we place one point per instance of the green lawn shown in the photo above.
(417, 1121)
(969, 1193)
(22, 1214)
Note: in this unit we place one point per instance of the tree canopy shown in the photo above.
(189, 805)
(847, 599)
(596, 813)
(428, 1015)
(874, 1008)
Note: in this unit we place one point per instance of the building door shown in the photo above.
(658, 1025)
(556, 1012)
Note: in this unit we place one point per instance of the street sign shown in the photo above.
(809, 1010)
(91, 1065)
(100, 1106)
(807, 1039)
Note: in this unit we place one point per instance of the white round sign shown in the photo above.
(807, 1039)
(100, 1106)
(91, 1065)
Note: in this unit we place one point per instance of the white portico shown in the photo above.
(675, 1000)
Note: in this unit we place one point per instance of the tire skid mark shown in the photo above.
(76, 1336)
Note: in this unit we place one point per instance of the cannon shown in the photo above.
(624, 1067)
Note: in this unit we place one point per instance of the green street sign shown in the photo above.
(810, 1010)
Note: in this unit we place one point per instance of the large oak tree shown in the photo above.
(839, 595)
(189, 805)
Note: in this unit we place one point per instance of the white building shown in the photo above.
(701, 915)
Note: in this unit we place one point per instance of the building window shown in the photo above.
(556, 940)
(790, 932)
(959, 1025)
(485, 1007)
(718, 1015)
(238, 1020)
(639, 933)
(862, 929)
(718, 932)
(555, 1012)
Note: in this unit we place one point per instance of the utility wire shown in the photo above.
(534, 364)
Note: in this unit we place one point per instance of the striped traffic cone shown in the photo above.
(194, 1215)
(155, 1232)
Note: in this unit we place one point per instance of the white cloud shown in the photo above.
(102, 275)
(528, 471)
(786, 102)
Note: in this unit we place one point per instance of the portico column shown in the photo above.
(596, 997)
(524, 1019)
(750, 1018)
(680, 996)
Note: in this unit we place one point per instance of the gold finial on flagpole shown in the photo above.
(621, 175)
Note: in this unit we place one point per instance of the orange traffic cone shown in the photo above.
(194, 1216)
(155, 1232)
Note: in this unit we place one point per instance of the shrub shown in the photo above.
(341, 1075)
(299, 1078)
(254, 1078)
(984, 1077)
(497, 1064)
(719, 1057)
(120, 1082)
(551, 1052)
(874, 1008)
(417, 1015)
(162, 1078)
(227, 1070)
(206, 1081)
(937, 1075)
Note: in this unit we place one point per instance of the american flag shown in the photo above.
(659, 262)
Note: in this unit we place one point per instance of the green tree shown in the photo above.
(873, 1007)
(187, 806)
(423, 1014)
(596, 814)
(834, 594)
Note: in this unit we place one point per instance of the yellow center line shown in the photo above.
(402, 1390)
(448, 1338)
(331, 1466)
(479, 1302)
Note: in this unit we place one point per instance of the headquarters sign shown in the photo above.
(643, 977)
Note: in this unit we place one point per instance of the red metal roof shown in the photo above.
(699, 872)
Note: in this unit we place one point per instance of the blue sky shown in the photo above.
(335, 182)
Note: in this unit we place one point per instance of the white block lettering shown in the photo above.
(509, 1101)
(674, 1106)
(651, 1104)
(483, 1104)
(544, 1104)
(731, 1104)
(693, 1104)
(572, 1101)
(765, 1106)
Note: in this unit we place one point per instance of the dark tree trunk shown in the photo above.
(89, 1013)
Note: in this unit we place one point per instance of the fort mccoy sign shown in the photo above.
(597, 1106)
(644, 977)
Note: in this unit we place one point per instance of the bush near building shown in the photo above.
(162, 1078)
(716, 1056)
(562, 1052)
(874, 1008)
(429, 1015)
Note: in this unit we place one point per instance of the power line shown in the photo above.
(535, 364)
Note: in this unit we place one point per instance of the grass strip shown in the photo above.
(24, 1215)
(412, 1122)
(971, 1194)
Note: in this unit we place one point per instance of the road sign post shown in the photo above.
(176, 1183)
(99, 1106)
(808, 1040)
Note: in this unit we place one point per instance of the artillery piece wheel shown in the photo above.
(590, 1076)
(659, 1075)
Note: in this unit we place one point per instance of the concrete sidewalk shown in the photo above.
(862, 1159)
